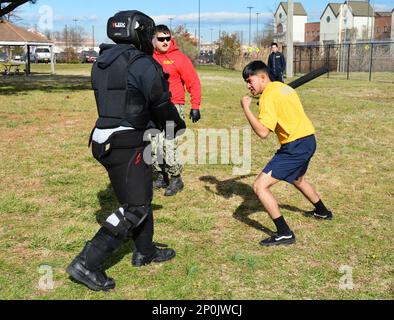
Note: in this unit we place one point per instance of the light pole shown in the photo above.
(257, 34)
(250, 24)
(289, 39)
(74, 34)
(199, 30)
(94, 42)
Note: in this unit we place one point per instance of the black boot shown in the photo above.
(159, 255)
(86, 268)
(161, 181)
(176, 185)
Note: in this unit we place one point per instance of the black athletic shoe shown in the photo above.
(160, 255)
(326, 216)
(94, 280)
(160, 182)
(176, 185)
(279, 239)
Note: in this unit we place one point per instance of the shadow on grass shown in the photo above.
(10, 85)
(109, 203)
(250, 205)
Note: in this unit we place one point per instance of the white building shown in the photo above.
(350, 19)
(299, 20)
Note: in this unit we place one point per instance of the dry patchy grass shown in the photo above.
(53, 194)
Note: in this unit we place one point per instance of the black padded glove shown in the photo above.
(195, 115)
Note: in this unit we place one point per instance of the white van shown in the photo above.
(42, 55)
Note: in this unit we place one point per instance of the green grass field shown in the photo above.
(53, 193)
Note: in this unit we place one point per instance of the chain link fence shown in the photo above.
(373, 61)
(370, 61)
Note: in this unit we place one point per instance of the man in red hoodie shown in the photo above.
(182, 75)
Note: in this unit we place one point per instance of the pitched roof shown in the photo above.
(12, 33)
(383, 14)
(335, 7)
(298, 8)
(358, 8)
(361, 8)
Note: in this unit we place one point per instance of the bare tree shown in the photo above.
(7, 6)
(13, 16)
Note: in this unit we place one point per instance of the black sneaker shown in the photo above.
(279, 239)
(160, 255)
(176, 185)
(160, 182)
(325, 216)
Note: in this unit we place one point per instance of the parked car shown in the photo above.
(42, 55)
(3, 57)
(88, 56)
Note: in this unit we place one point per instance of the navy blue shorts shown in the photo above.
(291, 161)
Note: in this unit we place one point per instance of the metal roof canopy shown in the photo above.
(14, 36)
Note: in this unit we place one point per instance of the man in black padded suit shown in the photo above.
(130, 90)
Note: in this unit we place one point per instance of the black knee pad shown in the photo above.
(125, 219)
(137, 214)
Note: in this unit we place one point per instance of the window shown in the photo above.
(378, 29)
(385, 29)
(280, 15)
(328, 19)
(42, 50)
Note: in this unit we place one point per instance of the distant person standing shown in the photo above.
(182, 77)
(276, 63)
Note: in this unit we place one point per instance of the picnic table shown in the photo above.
(9, 66)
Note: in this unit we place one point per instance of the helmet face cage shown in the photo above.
(132, 27)
(145, 33)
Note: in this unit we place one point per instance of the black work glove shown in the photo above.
(195, 115)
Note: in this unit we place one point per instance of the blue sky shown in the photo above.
(228, 15)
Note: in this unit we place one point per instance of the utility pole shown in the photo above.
(289, 39)
(250, 24)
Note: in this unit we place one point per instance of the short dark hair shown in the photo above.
(163, 28)
(274, 44)
(254, 68)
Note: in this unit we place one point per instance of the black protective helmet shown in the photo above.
(132, 27)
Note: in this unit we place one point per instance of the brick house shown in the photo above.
(382, 28)
(312, 32)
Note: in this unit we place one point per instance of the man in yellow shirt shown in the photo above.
(281, 112)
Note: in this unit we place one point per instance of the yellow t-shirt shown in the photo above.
(281, 111)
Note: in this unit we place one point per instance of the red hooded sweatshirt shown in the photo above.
(182, 74)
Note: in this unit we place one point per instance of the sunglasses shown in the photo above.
(162, 39)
